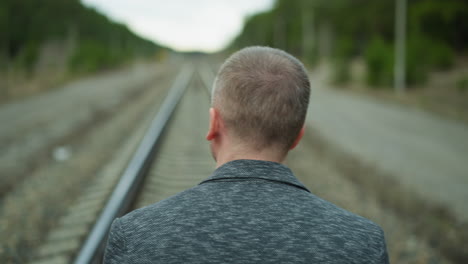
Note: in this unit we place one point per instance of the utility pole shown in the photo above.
(400, 46)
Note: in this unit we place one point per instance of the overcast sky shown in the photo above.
(185, 25)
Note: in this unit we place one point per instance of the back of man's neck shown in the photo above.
(266, 155)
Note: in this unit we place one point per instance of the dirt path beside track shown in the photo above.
(425, 153)
(34, 129)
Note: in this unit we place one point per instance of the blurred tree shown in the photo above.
(25, 25)
(437, 30)
(379, 59)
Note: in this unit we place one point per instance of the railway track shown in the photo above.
(171, 156)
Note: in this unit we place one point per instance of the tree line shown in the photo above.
(340, 30)
(91, 40)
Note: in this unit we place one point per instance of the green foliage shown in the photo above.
(424, 54)
(342, 57)
(344, 48)
(90, 56)
(417, 61)
(379, 59)
(462, 84)
(257, 31)
(436, 31)
(341, 71)
(442, 56)
(26, 24)
(27, 57)
(443, 21)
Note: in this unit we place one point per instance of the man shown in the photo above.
(252, 209)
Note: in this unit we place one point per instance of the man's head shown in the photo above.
(259, 101)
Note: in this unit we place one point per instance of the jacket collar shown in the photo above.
(255, 169)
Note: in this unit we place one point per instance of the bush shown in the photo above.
(424, 55)
(379, 60)
(418, 61)
(341, 67)
(341, 71)
(27, 56)
(91, 56)
(442, 56)
(462, 84)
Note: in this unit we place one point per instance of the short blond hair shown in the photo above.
(262, 95)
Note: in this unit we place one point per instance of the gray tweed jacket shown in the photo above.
(248, 211)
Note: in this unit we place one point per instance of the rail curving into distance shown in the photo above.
(126, 189)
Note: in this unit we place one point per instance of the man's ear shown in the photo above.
(214, 125)
(298, 138)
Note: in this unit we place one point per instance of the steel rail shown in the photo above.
(125, 190)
